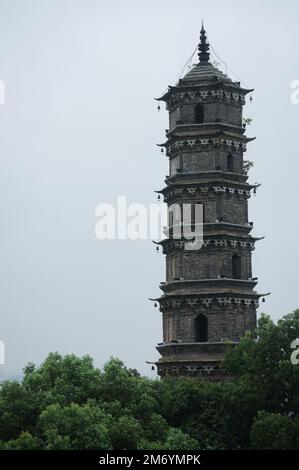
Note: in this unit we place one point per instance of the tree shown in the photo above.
(67, 403)
(75, 427)
(178, 440)
(265, 367)
(125, 432)
(24, 442)
(17, 411)
(275, 431)
(62, 380)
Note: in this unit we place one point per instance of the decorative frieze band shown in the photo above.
(211, 243)
(204, 95)
(204, 189)
(199, 143)
(167, 303)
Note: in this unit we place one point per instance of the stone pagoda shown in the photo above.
(209, 297)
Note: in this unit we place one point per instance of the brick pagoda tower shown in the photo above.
(208, 298)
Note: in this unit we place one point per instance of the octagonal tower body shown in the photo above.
(209, 296)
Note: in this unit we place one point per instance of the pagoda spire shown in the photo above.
(203, 47)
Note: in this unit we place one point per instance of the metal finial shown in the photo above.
(203, 47)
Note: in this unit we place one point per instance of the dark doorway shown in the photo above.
(236, 267)
(199, 114)
(201, 328)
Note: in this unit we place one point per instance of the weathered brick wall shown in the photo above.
(203, 264)
(226, 323)
(213, 111)
(230, 208)
(208, 160)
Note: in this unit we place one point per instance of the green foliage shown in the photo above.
(24, 442)
(66, 403)
(275, 431)
(16, 410)
(178, 440)
(265, 367)
(175, 440)
(75, 427)
(62, 380)
(125, 432)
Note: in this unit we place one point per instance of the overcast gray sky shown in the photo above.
(80, 127)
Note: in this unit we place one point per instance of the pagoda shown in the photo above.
(208, 298)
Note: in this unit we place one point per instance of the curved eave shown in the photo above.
(253, 296)
(224, 175)
(240, 138)
(166, 241)
(179, 181)
(203, 183)
(210, 176)
(187, 86)
(210, 127)
(221, 281)
(167, 94)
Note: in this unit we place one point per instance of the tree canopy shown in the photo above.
(67, 403)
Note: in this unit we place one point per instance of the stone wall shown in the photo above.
(209, 160)
(213, 111)
(223, 324)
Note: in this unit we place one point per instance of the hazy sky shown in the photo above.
(80, 127)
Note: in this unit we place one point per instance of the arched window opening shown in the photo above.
(201, 328)
(199, 114)
(230, 163)
(236, 267)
